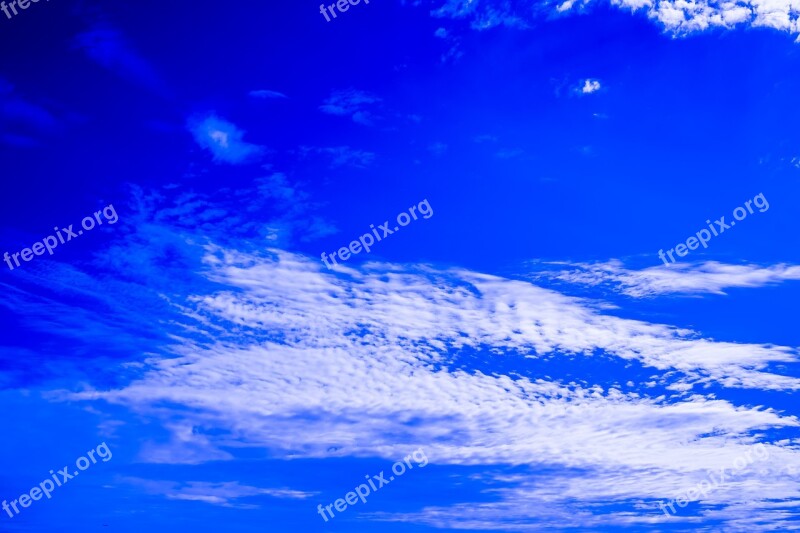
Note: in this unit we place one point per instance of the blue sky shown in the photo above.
(522, 332)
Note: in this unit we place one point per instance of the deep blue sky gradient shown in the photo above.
(520, 168)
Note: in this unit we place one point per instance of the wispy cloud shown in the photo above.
(225, 494)
(382, 357)
(356, 104)
(342, 155)
(22, 122)
(453, 52)
(398, 346)
(265, 94)
(680, 278)
(108, 47)
(485, 14)
(344, 339)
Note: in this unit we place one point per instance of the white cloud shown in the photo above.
(223, 139)
(396, 368)
(566, 6)
(590, 86)
(679, 17)
(364, 362)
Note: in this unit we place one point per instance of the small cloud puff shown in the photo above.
(223, 139)
(590, 86)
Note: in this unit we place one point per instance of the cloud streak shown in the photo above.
(710, 277)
